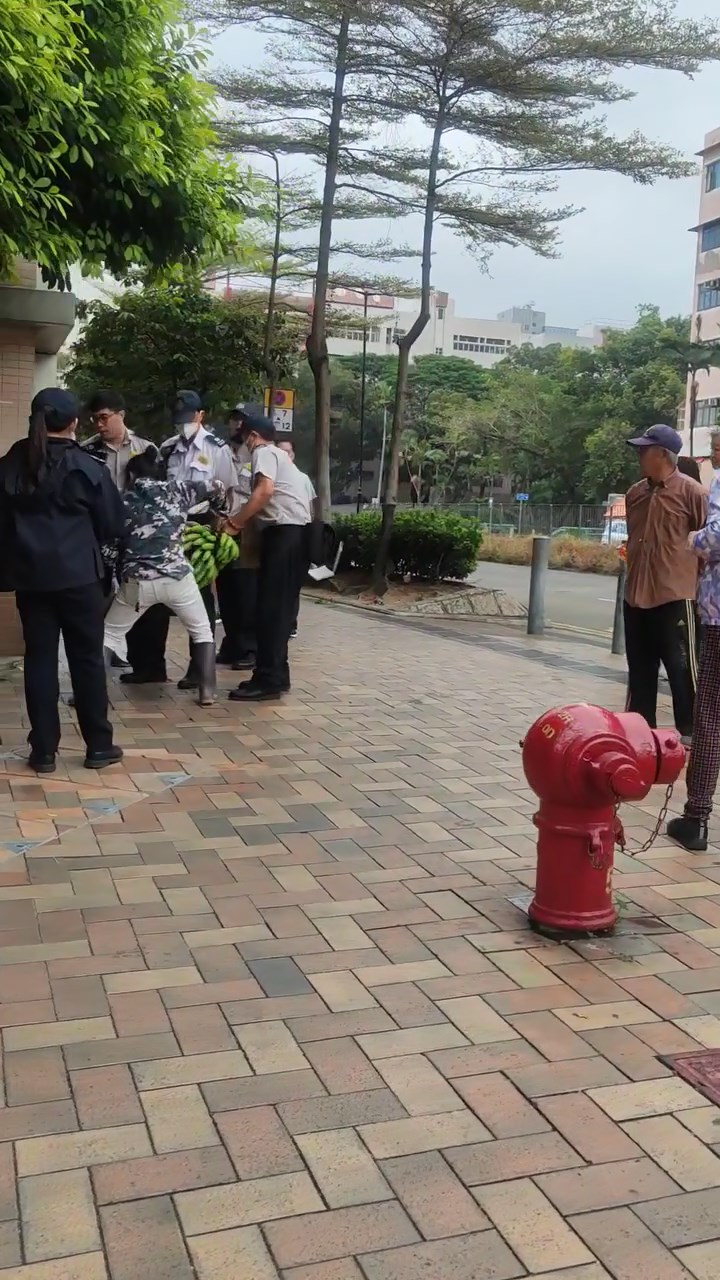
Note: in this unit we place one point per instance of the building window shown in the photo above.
(708, 295)
(356, 335)
(388, 336)
(488, 346)
(707, 413)
(465, 342)
(438, 351)
(441, 313)
(710, 236)
(712, 176)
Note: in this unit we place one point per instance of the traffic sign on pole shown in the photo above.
(283, 409)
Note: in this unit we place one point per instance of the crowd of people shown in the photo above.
(672, 611)
(92, 537)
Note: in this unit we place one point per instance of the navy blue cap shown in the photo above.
(56, 400)
(661, 436)
(259, 424)
(187, 404)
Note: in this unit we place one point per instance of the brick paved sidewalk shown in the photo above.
(268, 1010)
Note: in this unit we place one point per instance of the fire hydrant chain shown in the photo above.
(620, 833)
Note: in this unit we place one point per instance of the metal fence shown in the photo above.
(578, 520)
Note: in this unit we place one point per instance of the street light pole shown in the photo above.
(362, 402)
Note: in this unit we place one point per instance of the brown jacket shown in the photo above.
(660, 568)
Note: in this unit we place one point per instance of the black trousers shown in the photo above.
(147, 640)
(77, 613)
(237, 604)
(665, 634)
(282, 567)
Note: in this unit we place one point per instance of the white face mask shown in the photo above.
(189, 429)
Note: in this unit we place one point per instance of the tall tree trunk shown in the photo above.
(405, 345)
(317, 338)
(269, 363)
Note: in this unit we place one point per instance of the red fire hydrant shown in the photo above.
(582, 761)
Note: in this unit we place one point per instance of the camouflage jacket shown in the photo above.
(155, 515)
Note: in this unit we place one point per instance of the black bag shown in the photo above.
(321, 543)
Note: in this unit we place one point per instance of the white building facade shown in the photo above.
(706, 301)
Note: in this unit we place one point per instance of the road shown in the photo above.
(583, 600)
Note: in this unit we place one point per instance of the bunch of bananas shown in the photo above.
(208, 552)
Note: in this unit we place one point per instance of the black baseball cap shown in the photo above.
(661, 436)
(186, 405)
(56, 400)
(258, 424)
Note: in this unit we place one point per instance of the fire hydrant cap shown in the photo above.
(627, 783)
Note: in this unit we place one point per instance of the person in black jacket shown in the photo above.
(58, 506)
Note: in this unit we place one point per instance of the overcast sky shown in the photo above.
(629, 246)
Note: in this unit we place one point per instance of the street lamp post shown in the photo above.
(363, 376)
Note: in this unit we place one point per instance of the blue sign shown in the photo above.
(522, 497)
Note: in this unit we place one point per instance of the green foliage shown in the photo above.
(429, 545)
(150, 342)
(105, 143)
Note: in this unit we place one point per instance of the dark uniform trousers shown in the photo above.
(664, 634)
(77, 613)
(237, 588)
(147, 640)
(283, 564)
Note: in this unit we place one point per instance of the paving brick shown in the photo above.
(10, 1246)
(139, 1013)
(657, 1097)
(270, 1047)
(393, 1044)
(476, 1257)
(79, 998)
(565, 1077)
(125, 1049)
(148, 1229)
(342, 1168)
(58, 1215)
(591, 1132)
(34, 1120)
(550, 1036)
(339, 1233)
(189, 997)
(342, 991)
(58, 1033)
(500, 1106)
(35, 1075)
(342, 1066)
(272, 1009)
(512, 1158)
(80, 1150)
(603, 1186)
(329, 1026)
(86, 1266)
(342, 933)
(105, 1096)
(340, 1111)
(510, 1055)
(8, 1190)
(433, 1196)
(280, 1086)
(625, 1246)
(701, 1260)
(421, 1088)
(628, 1052)
(423, 1133)
(531, 1226)
(683, 1219)
(194, 1069)
(161, 1175)
(178, 1119)
(341, 1269)
(258, 1143)
(384, 975)
(229, 1255)
(280, 977)
(245, 1203)
(202, 1030)
(677, 1151)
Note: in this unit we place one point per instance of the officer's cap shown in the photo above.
(57, 401)
(187, 404)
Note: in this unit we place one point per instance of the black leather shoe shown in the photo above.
(251, 692)
(143, 677)
(41, 764)
(103, 759)
(691, 833)
(244, 664)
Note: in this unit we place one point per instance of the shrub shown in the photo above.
(565, 553)
(425, 544)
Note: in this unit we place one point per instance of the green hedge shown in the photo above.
(425, 544)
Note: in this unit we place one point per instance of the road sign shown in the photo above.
(283, 409)
(522, 497)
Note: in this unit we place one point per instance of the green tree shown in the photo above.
(105, 144)
(151, 342)
(504, 93)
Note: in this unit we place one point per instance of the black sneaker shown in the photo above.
(691, 833)
(41, 763)
(103, 759)
(143, 677)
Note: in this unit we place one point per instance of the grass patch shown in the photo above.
(565, 553)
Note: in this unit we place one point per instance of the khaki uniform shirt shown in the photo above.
(116, 460)
(660, 568)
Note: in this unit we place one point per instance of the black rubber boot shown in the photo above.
(204, 661)
(691, 833)
(144, 677)
(190, 680)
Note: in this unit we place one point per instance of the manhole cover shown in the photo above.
(702, 1070)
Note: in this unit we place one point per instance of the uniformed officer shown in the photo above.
(236, 585)
(288, 447)
(194, 455)
(280, 506)
(58, 507)
(115, 444)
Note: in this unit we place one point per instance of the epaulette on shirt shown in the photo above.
(215, 440)
(167, 447)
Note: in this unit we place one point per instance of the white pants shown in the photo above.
(181, 595)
